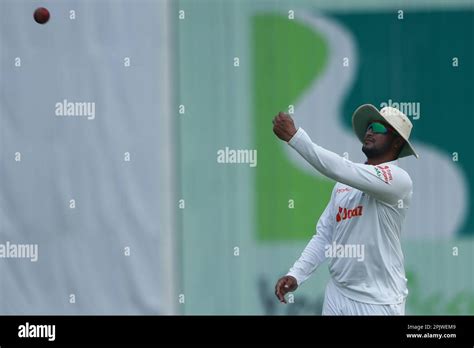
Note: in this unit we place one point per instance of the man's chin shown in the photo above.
(369, 151)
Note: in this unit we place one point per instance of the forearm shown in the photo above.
(311, 257)
(324, 161)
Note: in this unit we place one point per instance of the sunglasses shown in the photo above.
(379, 128)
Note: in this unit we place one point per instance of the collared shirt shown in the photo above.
(359, 231)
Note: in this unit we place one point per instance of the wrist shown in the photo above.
(292, 135)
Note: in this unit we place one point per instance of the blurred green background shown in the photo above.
(243, 227)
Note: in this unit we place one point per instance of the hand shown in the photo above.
(283, 286)
(284, 127)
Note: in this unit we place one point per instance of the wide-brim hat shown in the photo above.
(368, 113)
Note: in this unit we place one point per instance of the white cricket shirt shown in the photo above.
(359, 231)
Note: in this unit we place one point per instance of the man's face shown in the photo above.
(375, 143)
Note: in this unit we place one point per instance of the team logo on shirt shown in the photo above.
(345, 213)
(345, 189)
(384, 173)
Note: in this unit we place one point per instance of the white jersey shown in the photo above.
(359, 231)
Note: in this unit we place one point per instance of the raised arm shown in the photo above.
(387, 183)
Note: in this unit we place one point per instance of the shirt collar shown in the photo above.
(394, 162)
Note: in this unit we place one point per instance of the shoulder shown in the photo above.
(389, 172)
(397, 177)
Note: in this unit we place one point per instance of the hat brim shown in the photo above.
(368, 113)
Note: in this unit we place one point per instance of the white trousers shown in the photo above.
(335, 303)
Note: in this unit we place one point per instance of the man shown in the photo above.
(365, 214)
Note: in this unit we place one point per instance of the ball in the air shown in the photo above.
(41, 15)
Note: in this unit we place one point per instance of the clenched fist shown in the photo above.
(284, 285)
(284, 127)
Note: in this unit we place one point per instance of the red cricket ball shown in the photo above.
(41, 15)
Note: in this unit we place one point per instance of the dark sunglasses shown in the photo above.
(379, 128)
